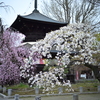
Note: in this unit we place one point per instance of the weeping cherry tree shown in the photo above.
(76, 45)
(11, 56)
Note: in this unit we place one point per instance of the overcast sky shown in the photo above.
(19, 7)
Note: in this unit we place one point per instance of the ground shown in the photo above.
(65, 97)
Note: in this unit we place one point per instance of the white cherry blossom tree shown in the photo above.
(75, 44)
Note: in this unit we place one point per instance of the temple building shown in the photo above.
(35, 25)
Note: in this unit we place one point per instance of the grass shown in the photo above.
(87, 87)
(20, 86)
(23, 89)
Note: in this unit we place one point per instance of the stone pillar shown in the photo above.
(99, 88)
(37, 98)
(16, 97)
(75, 97)
(4, 89)
(9, 92)
(81, 89)
(60, 90)
(36, 90)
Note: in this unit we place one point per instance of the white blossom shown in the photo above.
(74, 42)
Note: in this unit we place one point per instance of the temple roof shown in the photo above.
(35, 25)
(36, 15)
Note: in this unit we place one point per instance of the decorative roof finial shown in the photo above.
(35, 4)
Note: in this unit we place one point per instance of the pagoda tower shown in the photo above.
(35, 25)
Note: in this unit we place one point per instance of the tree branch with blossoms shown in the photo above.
(11, 57)
(75, 41)
(75, 44)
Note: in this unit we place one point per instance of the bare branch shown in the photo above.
(6, 7)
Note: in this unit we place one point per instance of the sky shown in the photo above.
(18, 7)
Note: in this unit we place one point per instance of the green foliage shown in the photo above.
(65, 70)
(97, 36)
(19, 86)
(46, 68)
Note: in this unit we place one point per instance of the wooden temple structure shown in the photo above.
(35, 25)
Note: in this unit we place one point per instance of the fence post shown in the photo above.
(9, 92)
(75, 97)
(16, 97)
(60, 90)
(99, 88)
(4, 89)
(36, 90)
(81, 89)
(37, 98)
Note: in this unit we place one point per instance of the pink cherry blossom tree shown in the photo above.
(11, 56)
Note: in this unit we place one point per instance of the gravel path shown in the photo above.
(65, 97)
(69, 97)
(5, 99)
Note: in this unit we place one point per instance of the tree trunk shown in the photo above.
(95, 70)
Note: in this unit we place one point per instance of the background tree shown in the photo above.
(95, 2)
(73, 11)
(4, 6)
